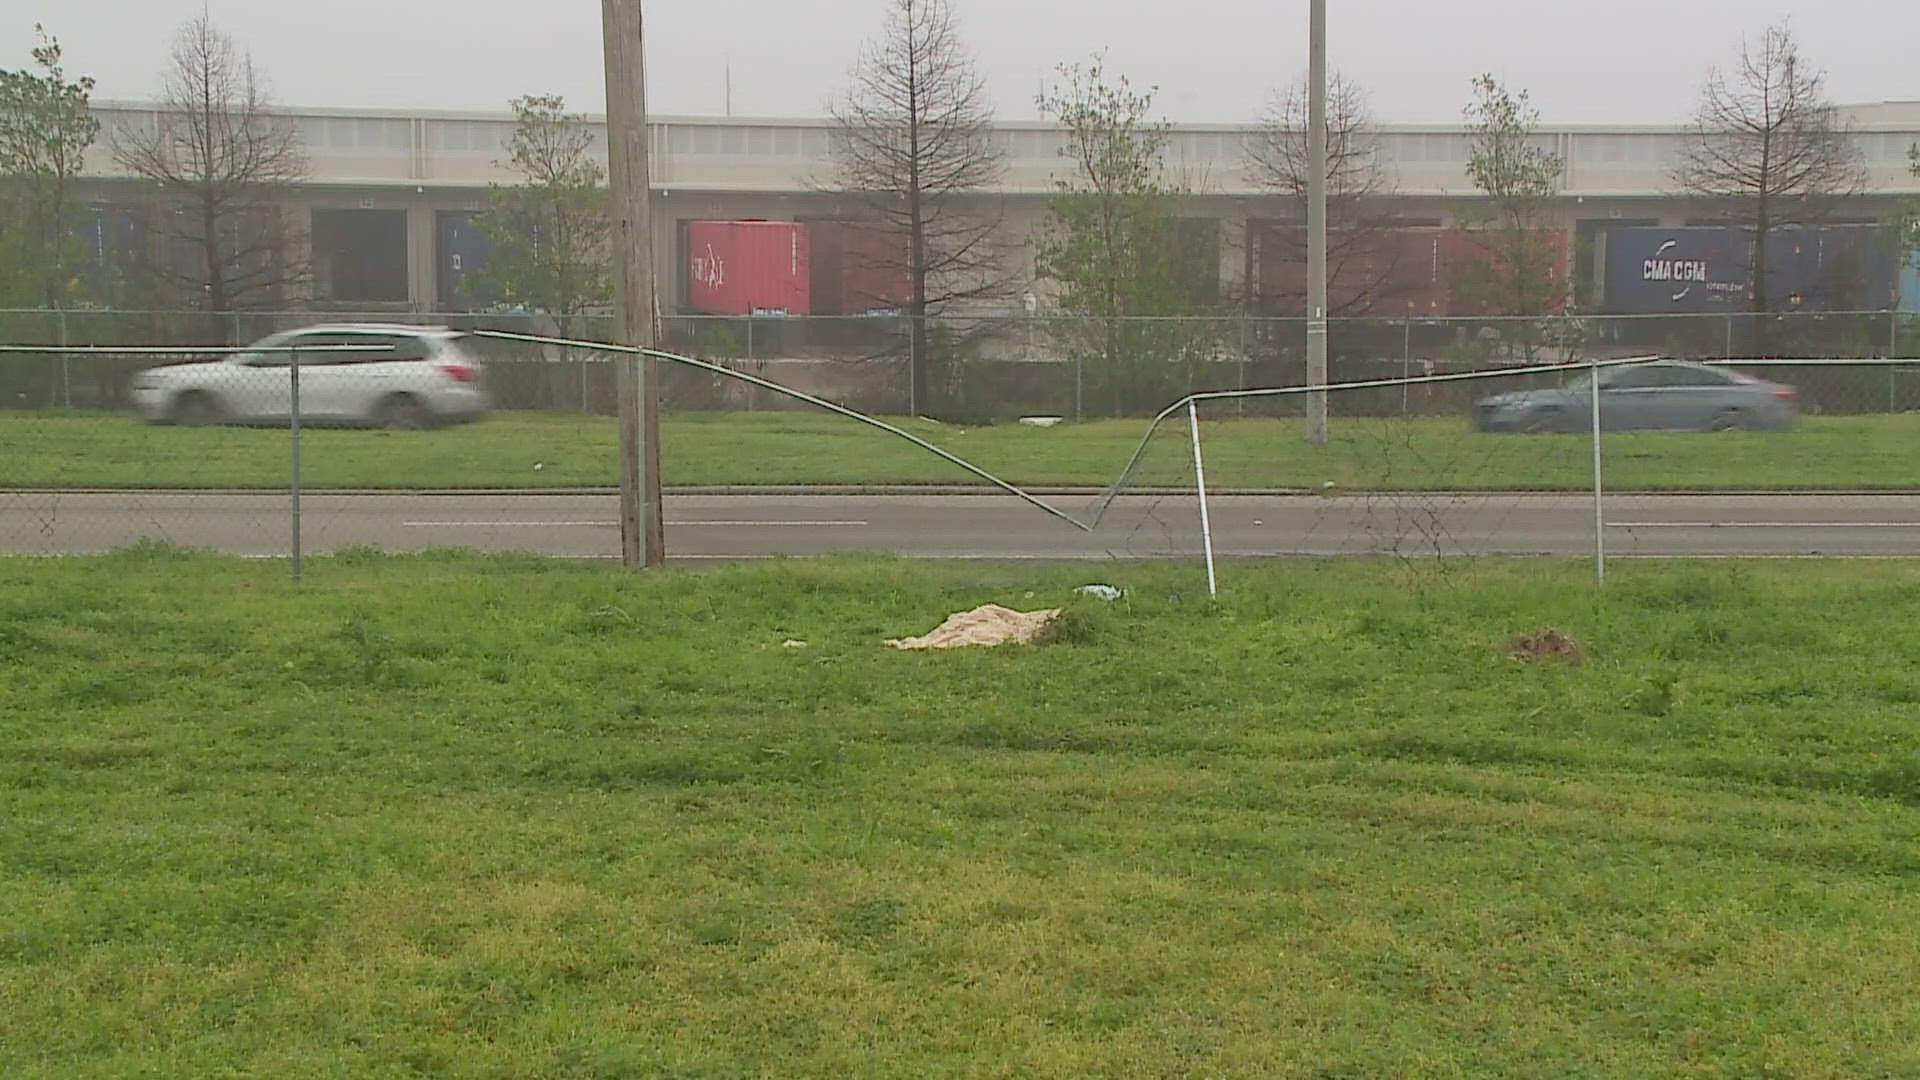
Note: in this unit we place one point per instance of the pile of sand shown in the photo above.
(983, 626)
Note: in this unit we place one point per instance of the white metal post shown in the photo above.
(1599, 507)
(293, 386)
(1200, 481)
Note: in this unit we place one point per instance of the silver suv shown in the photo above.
(407, 377)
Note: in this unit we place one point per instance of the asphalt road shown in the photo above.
(721, 527)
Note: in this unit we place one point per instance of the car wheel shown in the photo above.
(1730, 420)
(196, 408)
(402, 412)
(1542, 420)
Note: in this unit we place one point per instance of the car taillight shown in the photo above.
(1786, 393)
(459, 372)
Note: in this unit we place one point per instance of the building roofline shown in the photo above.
(1224, 128)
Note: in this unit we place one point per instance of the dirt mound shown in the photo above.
(1547, 644)
(983, 627)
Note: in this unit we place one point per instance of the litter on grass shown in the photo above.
(983, 627)
(1099, 592)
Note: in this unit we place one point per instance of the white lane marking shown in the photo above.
(503, 524)
(1763, 524)
(612, 524)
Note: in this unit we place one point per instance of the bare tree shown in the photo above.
(224, 162)
(1766, 150)
(1360, 255)
(915, 142)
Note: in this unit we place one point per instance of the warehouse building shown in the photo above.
(743, 226)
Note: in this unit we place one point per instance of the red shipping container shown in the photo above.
(859, 268)
(748, 267)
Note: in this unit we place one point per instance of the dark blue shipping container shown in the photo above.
(1710, 268)
(115, 242)
(1650, 270)
(462, 249)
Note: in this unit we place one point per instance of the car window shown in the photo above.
(400, 347)
(326, 345)
(1633, 378)
(1690, 376)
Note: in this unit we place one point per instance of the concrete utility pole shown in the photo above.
(1317, 222)
(642, 530)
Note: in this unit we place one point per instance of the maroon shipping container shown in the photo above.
(1383, 273)
(748, 267)
(859, 268)
(1458, 246)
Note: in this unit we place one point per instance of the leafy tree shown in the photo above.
(1766, 151)
(1127, 273)
(549, 237)
(225, 164)
(1519, 262)
(914, 142)
(45, 130)
(1519, 268)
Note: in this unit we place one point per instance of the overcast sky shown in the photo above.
(1214, 60)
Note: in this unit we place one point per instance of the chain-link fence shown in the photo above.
(431, 439)
(981, 369)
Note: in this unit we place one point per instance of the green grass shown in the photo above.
(39, 450)
(451, 816)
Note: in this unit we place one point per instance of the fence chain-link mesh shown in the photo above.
(96, 452)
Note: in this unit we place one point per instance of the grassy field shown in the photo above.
(450, 816)
(38, 450)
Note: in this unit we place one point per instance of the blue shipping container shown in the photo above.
(1710, 268)
(115, 243)
(463, 248)
(1651, 269)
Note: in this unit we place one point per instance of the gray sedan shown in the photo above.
(1665, 395)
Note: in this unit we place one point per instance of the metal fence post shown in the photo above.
(293, 381)
(1599, 507)
(1406, 363)
(1079, 409)
(1893, 370)
(1727, 354)
(66, 379)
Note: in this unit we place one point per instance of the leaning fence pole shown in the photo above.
(1200, 482)
(293, 426)
(1599, 504)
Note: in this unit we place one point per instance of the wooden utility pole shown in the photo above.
(642, 530)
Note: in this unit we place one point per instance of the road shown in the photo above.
(722, 527)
